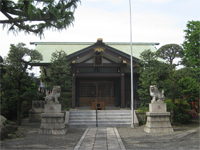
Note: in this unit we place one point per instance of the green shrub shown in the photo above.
(181, 111)
(65, 100)
(143, 109)
(169, 104)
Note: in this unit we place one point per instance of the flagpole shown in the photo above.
(132, 101)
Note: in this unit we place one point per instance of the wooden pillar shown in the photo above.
(122, 85)
(74, 91)
(73, 86)
(122, 92)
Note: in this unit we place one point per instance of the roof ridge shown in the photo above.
(89, 43)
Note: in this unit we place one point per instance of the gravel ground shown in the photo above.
(137, 139)
(34, 141)
(133, 139)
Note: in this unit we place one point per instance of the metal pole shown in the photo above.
(132, 101)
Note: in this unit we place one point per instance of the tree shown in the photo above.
(191, 45)
(151, 73)
(16, 81)
(169, 53)
(60, 75)
(2, 70)
(36, 15)
(190, 88)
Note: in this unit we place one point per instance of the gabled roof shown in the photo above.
(76, 48)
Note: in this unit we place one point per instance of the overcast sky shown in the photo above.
(161, 21)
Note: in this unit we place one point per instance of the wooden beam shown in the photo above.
(98, 75)
(92, 65)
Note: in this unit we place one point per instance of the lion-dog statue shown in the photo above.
(156, 94)
(53, 97)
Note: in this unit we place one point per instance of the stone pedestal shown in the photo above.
(35, 115)
(52, 120)
(158, 119)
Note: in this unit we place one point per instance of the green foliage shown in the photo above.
(2, 69)
(169, 52)
(60, 75)
(181, 111)
(143, 109)
(60, 70)
(16, 83)
(170, 105)
(191, 45)
(34, 16)
(151, 72)
(65, 100)
(190, 88)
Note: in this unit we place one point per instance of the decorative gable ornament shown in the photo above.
(99, 49)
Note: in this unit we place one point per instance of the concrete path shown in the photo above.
(100, 139)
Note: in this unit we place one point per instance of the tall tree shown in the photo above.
(151, 73)
(16, 80)
(169, 53)
(191, 46)
(36, 15)
(60, 75)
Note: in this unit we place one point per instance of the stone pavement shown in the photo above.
(100, 139)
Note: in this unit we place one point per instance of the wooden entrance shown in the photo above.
(103, 91)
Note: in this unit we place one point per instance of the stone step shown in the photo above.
(105, 117)
(100, 118)
(100, 111)
(100, 125)
(100, 121)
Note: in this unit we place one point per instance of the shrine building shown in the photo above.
(100, 70)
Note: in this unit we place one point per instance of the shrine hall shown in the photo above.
(101, 70)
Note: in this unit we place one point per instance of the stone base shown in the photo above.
(35, 115)
(52, 108)
(157, 106)
(52, 123)
(158, 122)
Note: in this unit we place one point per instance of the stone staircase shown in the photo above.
(106, 118)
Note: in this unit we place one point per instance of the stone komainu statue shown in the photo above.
(53, 97)
(156, 94)
(38, 104)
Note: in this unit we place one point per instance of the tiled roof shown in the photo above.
(47, 48)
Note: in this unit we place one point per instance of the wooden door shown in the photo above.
(103, 91)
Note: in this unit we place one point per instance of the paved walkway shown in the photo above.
(100, 139)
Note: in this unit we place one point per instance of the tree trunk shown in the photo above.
(19, 107)
(19, 112)
(173, 114)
